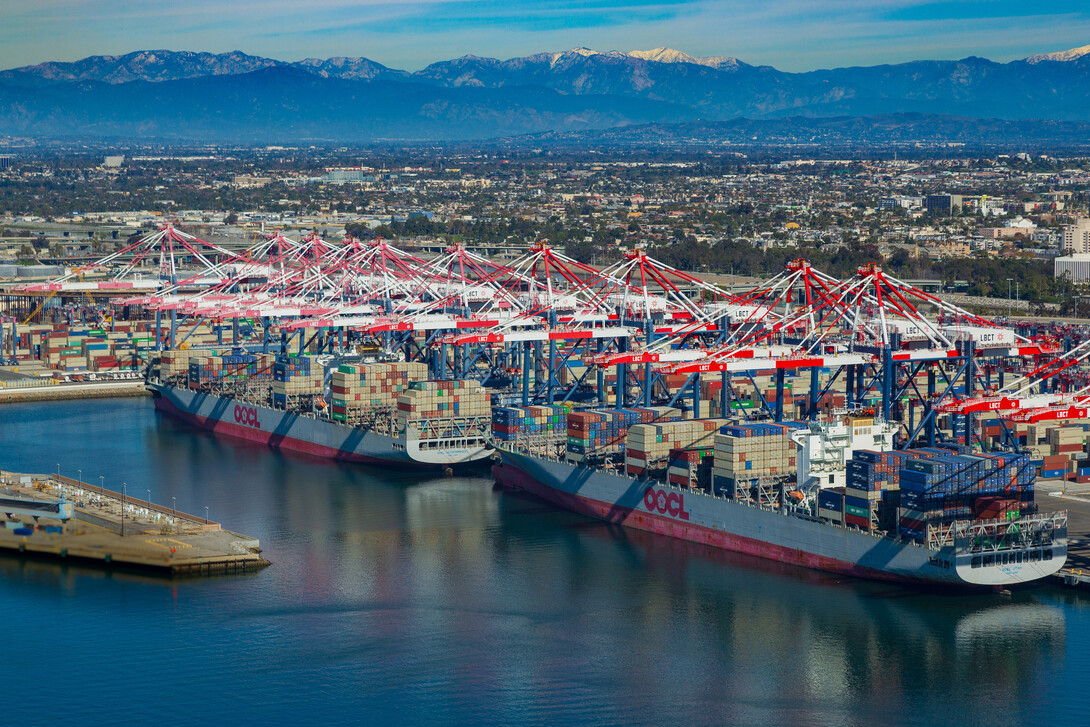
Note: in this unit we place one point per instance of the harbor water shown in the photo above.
(402, 598)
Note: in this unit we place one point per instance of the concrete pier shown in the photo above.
(110, 529)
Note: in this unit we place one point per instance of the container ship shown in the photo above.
(925, 517)
(385, 414)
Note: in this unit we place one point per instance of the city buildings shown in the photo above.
(1076, 236)
(1075, 267)
(942, 204)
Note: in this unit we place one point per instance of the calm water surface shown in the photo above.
(401, 598)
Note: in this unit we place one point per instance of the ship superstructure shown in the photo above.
(826, 446)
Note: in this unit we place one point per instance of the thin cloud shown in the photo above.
(789, 34)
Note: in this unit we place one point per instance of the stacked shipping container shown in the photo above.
(540, 422)
(830, 502)
(80, 349)
(295, 376)
(601, 432)
(938, 488)
(690, 467)
(1055, 449)
(872, 483)
(241, 367)
(357, 388)
(437, 401)
(748, 452)
(175, 363)
(648, 446)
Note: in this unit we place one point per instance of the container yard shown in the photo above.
(855, 425)
(59, 518)
(113, 346)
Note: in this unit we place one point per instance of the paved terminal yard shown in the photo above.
(1058, 495)
(116, 531)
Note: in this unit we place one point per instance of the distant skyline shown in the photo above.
(792, 35)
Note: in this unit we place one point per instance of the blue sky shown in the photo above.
(792, 35)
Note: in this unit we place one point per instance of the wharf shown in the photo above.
(19, 383)
(122, 532)
(1076, 500)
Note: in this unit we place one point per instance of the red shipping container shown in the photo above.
(857, 521)
(994, 505)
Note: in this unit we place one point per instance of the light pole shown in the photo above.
(101, 482)
(124, 497)
(206, 514)
(79, 477)
(174, 506)
(1009, 296)
(58, 470)
(149, 498)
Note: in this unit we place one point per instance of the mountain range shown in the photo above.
(244, 98)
